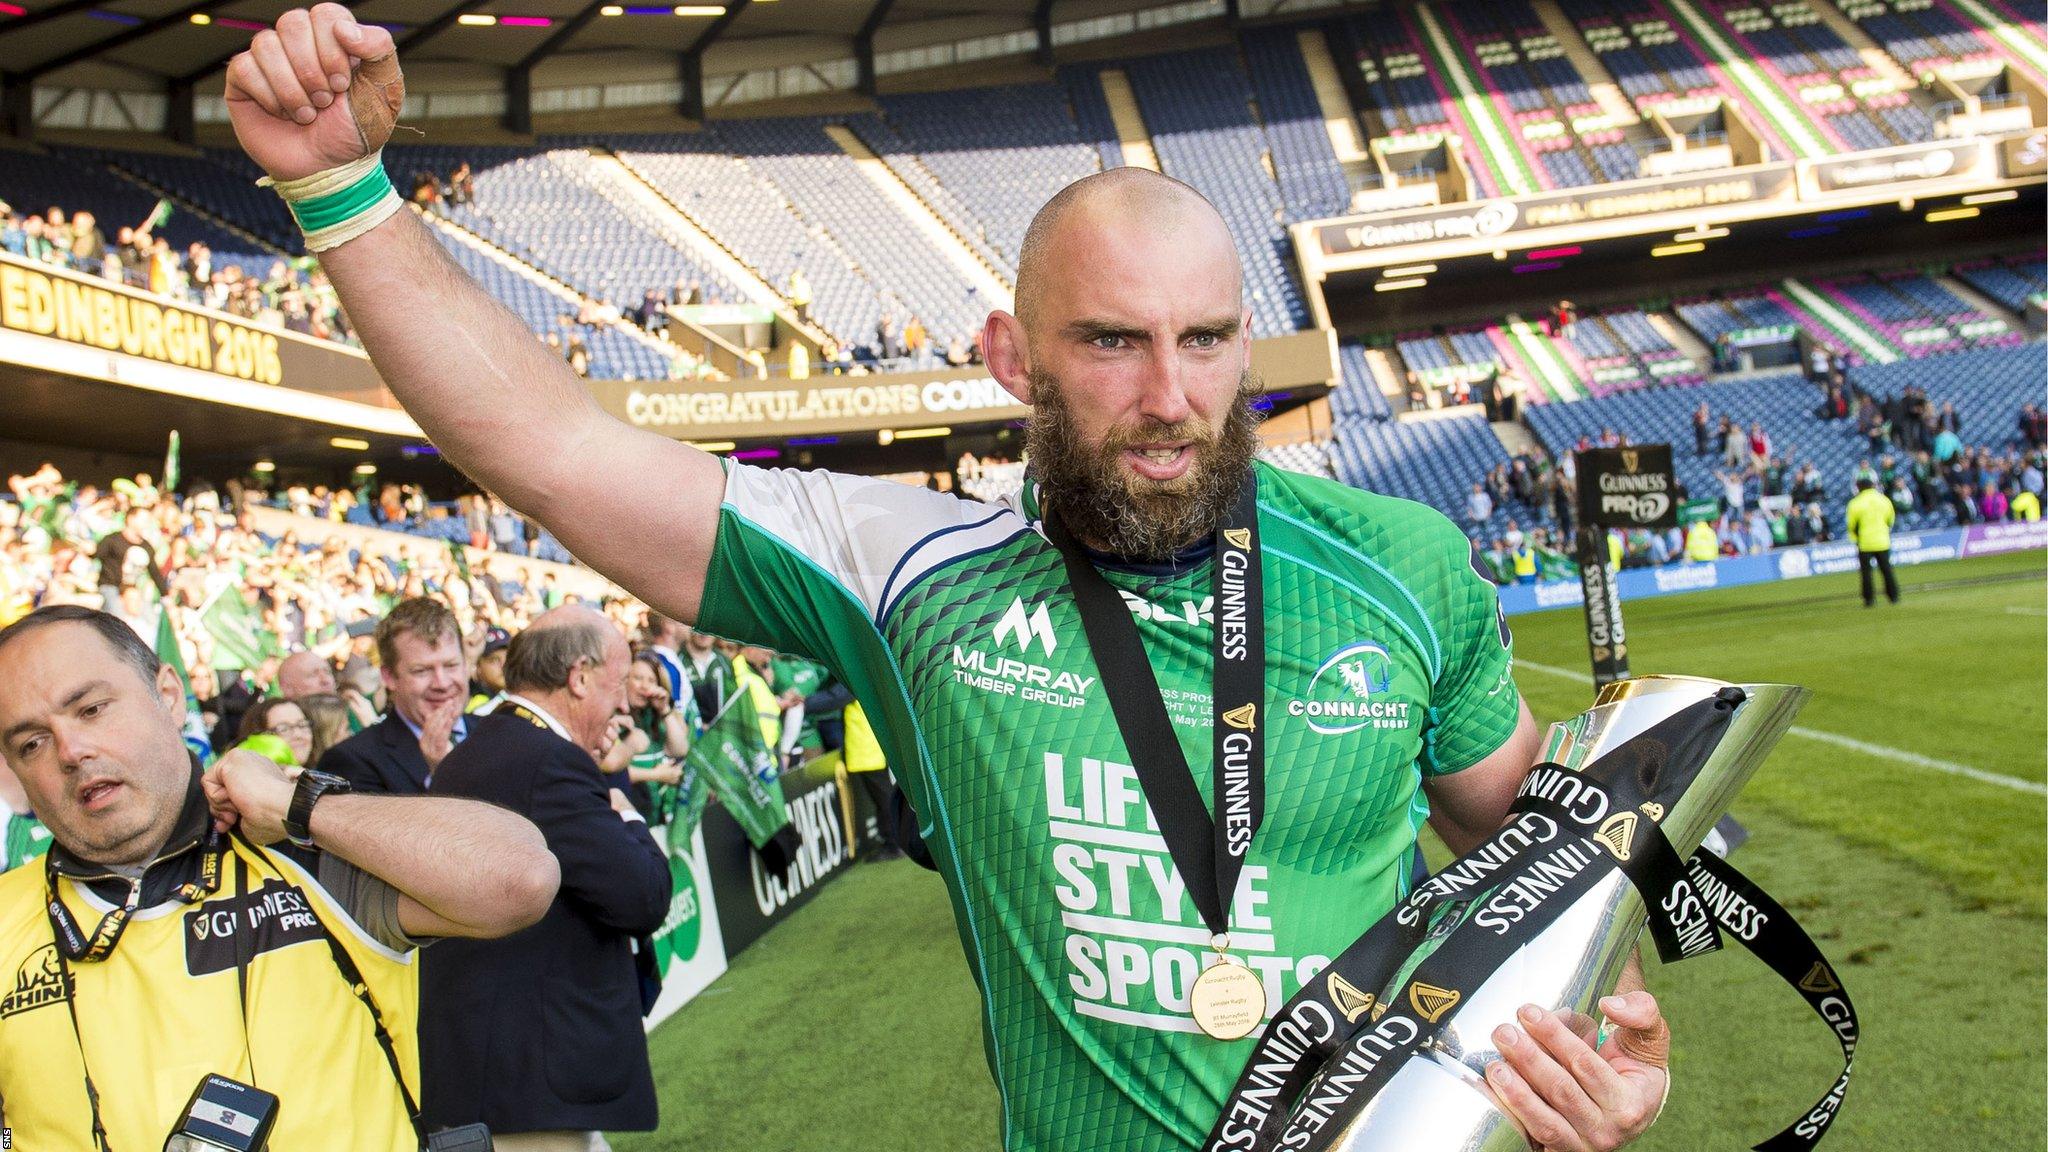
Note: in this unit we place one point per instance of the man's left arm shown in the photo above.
(461, 867)
(1565, 1093)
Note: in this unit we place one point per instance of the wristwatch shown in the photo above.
(298, 819)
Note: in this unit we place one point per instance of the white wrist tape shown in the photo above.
(340, 204)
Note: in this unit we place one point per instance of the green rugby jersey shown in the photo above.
(25, 839)
(1387, 660)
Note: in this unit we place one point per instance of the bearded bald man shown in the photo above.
(1349, 631)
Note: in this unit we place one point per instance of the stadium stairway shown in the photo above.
(1599, 81)
(1848, 333)
(1513, 173)
(1739, 71)
(614, 169)
(1347, 139)
(1869, 51)
(1554, 374)
(979, 267)
(1131, 133)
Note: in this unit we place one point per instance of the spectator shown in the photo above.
(1994, 504)
(304, 674)
(283, 719)
(419, 645)
(1478, 507)
(1947, 444)
(1702, 429)
(329, 718)
(1761, 539)
(539, 1035)
(799, 294)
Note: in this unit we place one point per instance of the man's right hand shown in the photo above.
(315, 92)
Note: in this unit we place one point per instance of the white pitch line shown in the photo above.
(1881, 751)
(2022, 610)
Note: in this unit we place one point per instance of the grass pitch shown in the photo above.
(855, 1024)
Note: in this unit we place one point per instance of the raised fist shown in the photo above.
(317, 91)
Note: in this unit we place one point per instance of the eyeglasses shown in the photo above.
(292, 726)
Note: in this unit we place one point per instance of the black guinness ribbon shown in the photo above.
(1341, 1039)
(1209, 852)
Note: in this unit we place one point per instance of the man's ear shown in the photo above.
(1004, 351)
(171, 691)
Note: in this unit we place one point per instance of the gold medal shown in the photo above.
(1228, 1000)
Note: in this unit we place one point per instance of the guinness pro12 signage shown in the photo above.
(1627, 487)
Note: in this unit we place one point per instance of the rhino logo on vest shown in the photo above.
(40, 981)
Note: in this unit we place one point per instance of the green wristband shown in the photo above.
(320, 213)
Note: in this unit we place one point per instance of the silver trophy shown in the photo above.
(1439, 1101)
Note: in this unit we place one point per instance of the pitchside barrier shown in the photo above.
(1782, 564)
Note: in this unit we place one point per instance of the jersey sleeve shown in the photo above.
(1475, 705)
(807, 563)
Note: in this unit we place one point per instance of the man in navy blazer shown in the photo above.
(419, 648)
(538, 1035)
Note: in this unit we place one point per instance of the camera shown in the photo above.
(224, 1116)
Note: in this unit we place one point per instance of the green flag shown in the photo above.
(171, 468)
(239, 639)
(1555, 565)
(167, 650)
(158, 216)
(736, 762)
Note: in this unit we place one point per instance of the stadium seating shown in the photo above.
(1435, 461)
(1916, 314)
(75, 182)
(2011, 282)
(824, 187)
(552, 209)
(220, 182)
(1862, 107)
(1311, 457)
(1312, 183)
(1357, 395)
(1002, 151)
(753, 219)
(1917, 33)
(1987, 387)
(1091, 113)
(1543, 99)
(614, 354)
(1197, 106)
(1403, 95)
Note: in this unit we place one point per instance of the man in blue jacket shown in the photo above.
(538, 1035)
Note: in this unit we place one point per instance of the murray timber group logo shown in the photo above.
(1022, 624)
(1349, 692)
(40, 980)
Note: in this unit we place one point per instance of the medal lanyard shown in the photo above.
(1209, 852)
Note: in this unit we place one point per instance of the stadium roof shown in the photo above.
(173, 44)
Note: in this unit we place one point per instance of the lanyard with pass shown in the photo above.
(1228, 1001)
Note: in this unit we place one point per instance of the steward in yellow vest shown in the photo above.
(169, 938)
(1870, 526)
(750, 681)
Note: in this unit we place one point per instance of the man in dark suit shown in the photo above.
(538, 1035)
(419, 648)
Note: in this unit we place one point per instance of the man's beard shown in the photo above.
(1109, 507)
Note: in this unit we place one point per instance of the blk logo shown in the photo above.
(1022, 625)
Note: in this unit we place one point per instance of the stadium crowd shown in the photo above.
(292, 295)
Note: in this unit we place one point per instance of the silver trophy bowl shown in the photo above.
(1439, 1101)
